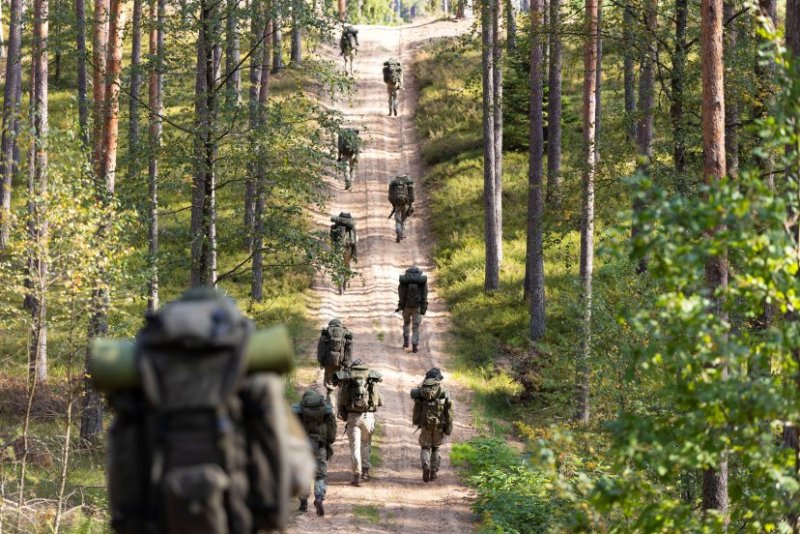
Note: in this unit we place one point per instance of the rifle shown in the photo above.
(393, 212)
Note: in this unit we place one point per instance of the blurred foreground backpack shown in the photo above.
(203, 440)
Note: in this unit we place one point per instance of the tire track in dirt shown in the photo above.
(396, 499)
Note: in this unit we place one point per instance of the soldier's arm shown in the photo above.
(330, 423)
(401, 294)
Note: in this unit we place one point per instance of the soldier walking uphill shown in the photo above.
(393, 78)
(433, 415)
(344, 238)
(317, 418)
(401, 196)
(334, 353)
(358, 400)
(413, 294)
(348, 47)
(349, 147)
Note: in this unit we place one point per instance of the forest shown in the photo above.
(609, 205)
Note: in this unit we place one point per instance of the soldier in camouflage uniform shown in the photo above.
(317, 418)
(413, 303)
(433, 415)
(334, 353)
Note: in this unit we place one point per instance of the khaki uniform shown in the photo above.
(430, 441)
(360, 427)
(412, 318)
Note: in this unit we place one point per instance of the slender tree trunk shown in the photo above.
(296, 56)
(277, 45)
(677, 88)
(793, 27)
(233, 83)
(554, 106)
(136, 60)
(644, 130)
(83, 99)
(492, 275)
(598, 81)
(628, 70)
(99, 51)
(257, 286)
(511, 27)
(11, 109)
(535, 255)
(765, 72)
(38, 344)
(715, 480)
(731, 99)
(156, 105)
(342, 10)
(259, 48)
(497, 80)
(587, 221)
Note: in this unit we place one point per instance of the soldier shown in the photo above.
(402, 197)
(348, 46)
(343, 236)
(358, 400)
(413, 302)
(317, 418)
(334, 353)
(393, 78)
(349, 147)
(433, 415)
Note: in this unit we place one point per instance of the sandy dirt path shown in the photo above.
(396, 499)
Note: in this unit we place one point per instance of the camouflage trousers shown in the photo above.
(412, 318)
(400, 222)
(393, 90)
(360, 427)
(430, 441)
(321, 474)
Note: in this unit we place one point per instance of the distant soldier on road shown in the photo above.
(316, 416)
(433, 415)
(334, 353)
(358, 400)
(393, 78)
(413, 303)
(349, 147)
(344, 238)
(401, 196)
(348, 46)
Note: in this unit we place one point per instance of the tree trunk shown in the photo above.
(765, 72)
(258, 44)
(497, 80)
(492, 275)
(296, 55)
(511, 27)
(644, 130)
(535, 253)
(277, 46)
(587, 221)
(38, 345)
(554, 106)
(257, 285)
(715, 480)
(628, 70)
(99, 51)
(598, 81)
(136, 60)
(11, 109)
(677, 88)
(156, 105)
(731, 99)
(233, 83)
(83, 99)
(342, 10)
(793, 27)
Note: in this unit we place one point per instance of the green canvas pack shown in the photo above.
(198, 445)
(359, 389)
(401, 192)
(413, 289)
(334, 345)
(433, 409)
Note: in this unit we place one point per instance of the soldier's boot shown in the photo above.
(303, 505)
(426, 474)
(399, 237)
(356, 480)
(365, 474)
(405, 342)
(434, 475)
(319, 507)
(415, 348)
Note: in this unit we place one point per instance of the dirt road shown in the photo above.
(396, 500)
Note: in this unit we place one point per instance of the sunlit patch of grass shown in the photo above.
(367, 512)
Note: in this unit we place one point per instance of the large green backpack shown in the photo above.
(349, 142)
(343, 229)
(313, 409)
(401, 192)
(198, 445)
(349, 40)
(413, 288)
(359, 389)
(433, 409)
(392, 71)
(335, 345)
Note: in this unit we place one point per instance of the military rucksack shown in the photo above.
(392, 71)
(433, 409)
(312, 411)
(334, 346)
(198, 445)
(414, 288)
(349, 40)
(359, 389)
(343, 229)
(401, 191)
(349, 141)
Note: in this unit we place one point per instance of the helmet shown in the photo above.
(335, 322)
(434, 373)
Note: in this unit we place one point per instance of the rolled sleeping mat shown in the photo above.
(112, 365)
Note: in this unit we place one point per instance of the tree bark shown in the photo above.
(259, 46)
(511, 27)
(644, 130)
(628, 70)
(715, 480)
(554, 106)
(765, 73)
(277, 45)
(156, 105)
(342, 10)
(133, 104)
(677, 84)
(11, 108)
(793, 27)
(497, 80)
(598, 81)
(492, 274)
(296, 55)
(731, 99)
(587, 221)
(535, 252)
(83, 99)
(99, 51)
(233, 82)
